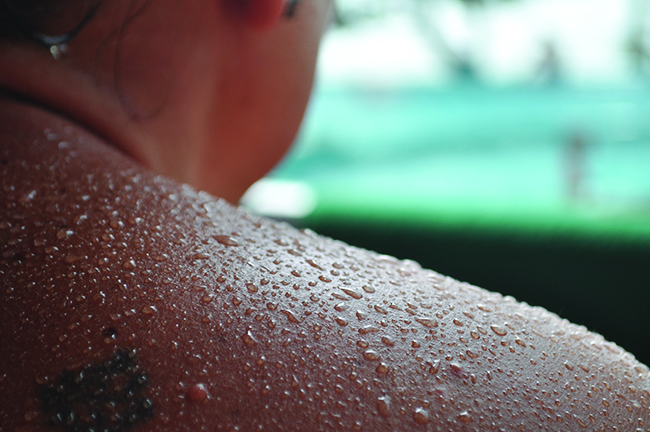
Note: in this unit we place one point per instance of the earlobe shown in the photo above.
(263, 14)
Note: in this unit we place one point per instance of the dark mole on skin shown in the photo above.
(105, 397)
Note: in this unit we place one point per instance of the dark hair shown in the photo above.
(47, 22)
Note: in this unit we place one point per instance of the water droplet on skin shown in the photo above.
(484, 308)
(581, 422)
(251, 287)
(73, 258)
(149, 310)
(61, 234)
(30, 416)
(290, 316)
(421, 416)
(368, 329)
(458, 370)
(117, 224)
(500, 331)
(197, 393)
(381, 310)
(341, 321)
(110, 332)
(226, 240)
(458, 323)
(464, 417)
(427, 322)
(383, 406)
(520, 343)
(249, 339)
(200, 256)
(387, 341)
(368, 289)
(352, 293)
(382, 369)
(340, 307)
(371, 355)
(313, 264)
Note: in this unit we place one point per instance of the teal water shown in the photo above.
(481, 156)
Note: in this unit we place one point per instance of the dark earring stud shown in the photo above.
(290, 10)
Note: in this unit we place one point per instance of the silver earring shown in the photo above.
(58, 45)
(58, 51)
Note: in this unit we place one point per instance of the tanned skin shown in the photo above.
(130, 301)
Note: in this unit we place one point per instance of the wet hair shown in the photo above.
(47, 22)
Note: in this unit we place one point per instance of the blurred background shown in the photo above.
(505, 143)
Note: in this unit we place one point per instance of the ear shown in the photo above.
(262, 14)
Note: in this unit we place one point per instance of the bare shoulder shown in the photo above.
(131, 301)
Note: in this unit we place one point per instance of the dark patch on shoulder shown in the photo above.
(105, 397)
(18, 256)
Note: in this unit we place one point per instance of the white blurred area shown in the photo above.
(280, 199)
(387, 43)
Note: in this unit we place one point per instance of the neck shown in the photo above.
(24, 121)
(30, 90)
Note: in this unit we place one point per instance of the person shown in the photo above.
(132, 301)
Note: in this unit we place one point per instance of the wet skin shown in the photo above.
(132, 302)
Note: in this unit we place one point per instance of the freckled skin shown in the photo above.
(285, 330)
